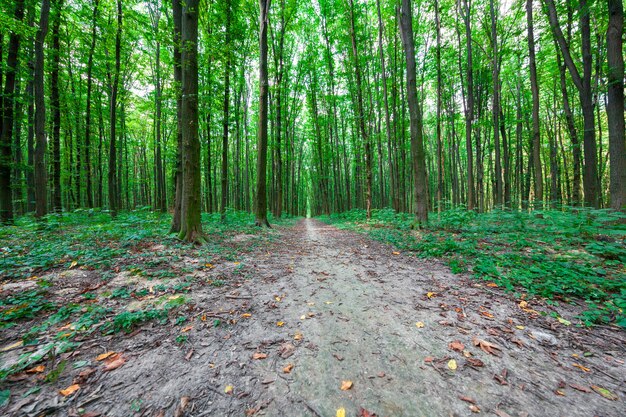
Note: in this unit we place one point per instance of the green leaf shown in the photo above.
(4, 397)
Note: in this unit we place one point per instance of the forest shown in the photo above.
(359, 203)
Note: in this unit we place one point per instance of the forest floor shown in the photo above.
(302, 320)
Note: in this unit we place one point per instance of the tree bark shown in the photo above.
(6, 127)
(55, 106)
(615, 107)
(418, 158)
(113, 178)
(177, 9)
(261, 186)
(92, 48)
(469, 114)
(226, 109)
(534, 86)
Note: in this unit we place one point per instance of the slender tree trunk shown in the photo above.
(418, 158)
(226, 108)
(114, 192)
(440, 166)
(534, 86)
(55, 106)
(41, 175)
(261, 186)
(6, 127)
(499, 196)
(178, 78)
(615, 107)
(92, 48)
(469, 114)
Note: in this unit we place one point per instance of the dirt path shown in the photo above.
(336, 307)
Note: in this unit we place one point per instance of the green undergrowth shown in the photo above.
(564, 255)
(39, 259)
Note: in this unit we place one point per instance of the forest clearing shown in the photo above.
(312, 208)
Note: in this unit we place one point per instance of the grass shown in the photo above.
(559, 255)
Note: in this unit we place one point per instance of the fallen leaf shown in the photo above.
(580, 388)
(228, 389)
(180, 409)
(431, 294)
(605, 393)
(277, 299)
(501, 377)
(457, 346)
(341, 412)
(287, 369)
(486, 314)
(501, 413)
(429, 359)
(73, 264)
(186, 329)
(452, 365)
(36, 369)
(69, 390)
(486, 346)
(328, 302)
(492, 284)
(105, 355)
(419, 325)
(467, 399)
(364, 413)
(519, 327)
(246, 315)
(395, 253)
(259, 355)
(280, 323)
(302, 317)
(12, 346)
(474, 408)
(582, 368)
(563, 321)
(475, 362)
(297, 336)
(286, 350)
(523, 304)
(346, 385)
(112, 364)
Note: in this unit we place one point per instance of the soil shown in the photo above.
(321, 308)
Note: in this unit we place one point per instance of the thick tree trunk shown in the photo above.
(6, 127)
(261, 186)
(418, 157)
(92, 48)
(55, 106)
(615, 108)
(41, 174)
(534, 86)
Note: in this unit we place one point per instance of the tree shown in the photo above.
(227, 69)
(178, 79)
(534, 86)
(191, 225)
(92, 48)
(6, 120)
(261, 166)
(615, 108)
(113, 178)
(418, 156)
(55, 105)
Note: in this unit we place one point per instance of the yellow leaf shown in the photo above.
(582, 368)
(246, 315)
(203, 318)
(341, 412)
(605, 393)
(228, 389)
(431, 294)
(492, 284)
(237, 263)
(105, 355)
(69, 390)
(523, 304)
(329, 302)
(36, 369)
(186, 329)
(419, 324)
(311, 304)
(346, 385)
(287, 369)
(277, 298)
(12, 346)
(207, 265)
(302, 317)
(280, 323)
(563, 321)
(73, 264)
(519, 327)
(452, 365)
(297, 336)
(395, 253)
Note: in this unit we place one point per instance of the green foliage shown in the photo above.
(568, 254)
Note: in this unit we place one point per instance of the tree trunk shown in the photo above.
(6, 127)
(534, 86)
(615, 107)
(114, 192)
(418, 159)
(440, 166)
(261, 186)
(499, 196)
(55, 106)
(178, 78)
(92, 47)
(41, 174)
(226, 108)
(469, 114)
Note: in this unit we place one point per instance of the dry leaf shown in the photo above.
(297, 336)
(341, 412)
(287, 369)
(12, 346)
(605, 393)
(36, 369)
(105, 355)
(419, 325)
(364, 413)
(519, 327)
(501, 413)
(452, 365)
(492, 284)
(429, 359)
(486, 346)
(259, 355)
(280, 323)
(180, 409)
(286, 350)
(467, 399)
(114, 363)
(431, 294)
(186, 329)
(486, 314)
(346, 385)
(395, 253)
(228, 389)
(582, 368)
(580, 388)
(456, 345)
(475, 362)
(302, 317)
(563, 321)
(246, 315)
(474, 408)
(69, 390)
